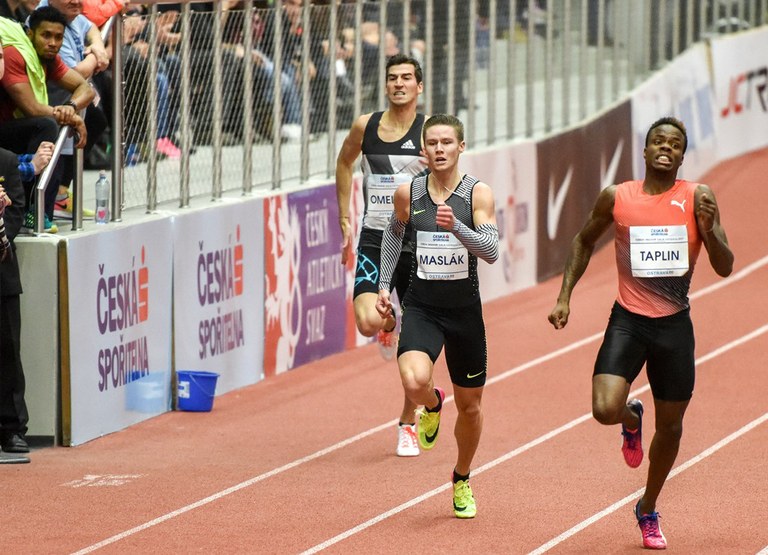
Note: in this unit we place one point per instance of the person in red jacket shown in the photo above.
(99, 11)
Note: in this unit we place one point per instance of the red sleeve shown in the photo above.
(15, 67)
(57, 69)
(99, 11)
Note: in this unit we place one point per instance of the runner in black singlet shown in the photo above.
(452, 224)
(390, 143)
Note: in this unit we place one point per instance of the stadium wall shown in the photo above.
(253, 287)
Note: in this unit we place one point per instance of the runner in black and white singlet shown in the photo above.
(452, 223)
(390, 144)
(386, 165)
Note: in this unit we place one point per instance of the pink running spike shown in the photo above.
(653, 538)
(632, 444)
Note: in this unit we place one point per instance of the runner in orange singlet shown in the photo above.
(660, 224)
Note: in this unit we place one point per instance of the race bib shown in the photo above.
(658, 251)
(380, 190)
(441, 256)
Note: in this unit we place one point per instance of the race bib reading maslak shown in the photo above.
(441, 256)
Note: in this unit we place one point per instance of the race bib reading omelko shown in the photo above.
(380, 190)
(658, 251)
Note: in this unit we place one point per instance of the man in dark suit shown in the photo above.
(13, 409)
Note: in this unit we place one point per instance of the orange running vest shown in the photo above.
(654, 296)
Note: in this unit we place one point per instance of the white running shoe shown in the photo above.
(387, 341)
(407, 443)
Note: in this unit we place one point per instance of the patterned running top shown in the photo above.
(657, 244)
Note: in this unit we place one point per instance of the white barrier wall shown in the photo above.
(740, 82)
(511, 172)
(682, 89)
(120, 300)
(305, 282)
(218, 292)
(281, 255)
(39, 267)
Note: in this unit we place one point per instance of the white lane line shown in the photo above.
(744, 272)
(541, 439)
(631, 497)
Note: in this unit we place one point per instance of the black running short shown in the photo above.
(460, 330)
(665, 345)
(368, 267)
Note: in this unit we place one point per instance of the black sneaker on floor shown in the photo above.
(14, 443)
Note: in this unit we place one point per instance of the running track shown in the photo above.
(304, 462)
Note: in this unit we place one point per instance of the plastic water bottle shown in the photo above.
(102, 198)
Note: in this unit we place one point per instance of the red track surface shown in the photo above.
(305, 460)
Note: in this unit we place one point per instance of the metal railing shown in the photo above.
(508, 68)
(77, 174)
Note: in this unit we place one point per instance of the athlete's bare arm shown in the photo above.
(483, 205)
(401, 214)
(712, 232)
(582, 246)
(345, 168)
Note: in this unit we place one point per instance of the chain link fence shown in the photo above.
(229, 97)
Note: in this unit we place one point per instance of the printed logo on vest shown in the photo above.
(679, 204)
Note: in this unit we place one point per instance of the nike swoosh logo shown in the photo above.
(609, 174)
(472, 376)
(419, 211)
(555, 204)
(431, 438)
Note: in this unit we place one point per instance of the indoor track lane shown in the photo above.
(305, 461)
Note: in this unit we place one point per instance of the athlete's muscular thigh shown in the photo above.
(625, 346)
(367, 271)
(367, 318)
(609, 396)
(415, 370)
(466, 352)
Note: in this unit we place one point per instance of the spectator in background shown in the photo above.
(13, 409)
(201, 58)
(82, 50)
(370, 42)
(32, 60)
(30, 165)
(14, 9)
(291, 50)
(593, 22)
(136, 75)
(263, 76)
(98, 12)
(440, 36)
(169, 70)
(327, 64)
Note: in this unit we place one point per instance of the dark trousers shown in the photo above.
(23, 136)
(13, 410)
